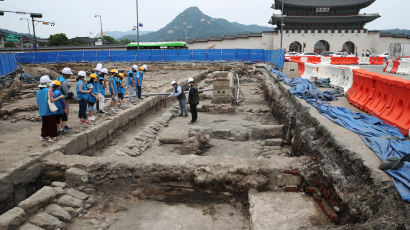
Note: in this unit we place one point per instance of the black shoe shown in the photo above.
(180, 115)
(186, 115)
(67, 128)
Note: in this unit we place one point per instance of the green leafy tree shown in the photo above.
(58, 40)
(10, 45)
(125, 41)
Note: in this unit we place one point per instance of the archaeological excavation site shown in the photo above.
(257, 158)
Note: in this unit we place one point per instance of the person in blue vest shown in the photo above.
(49, 118)
(138, 79)
(112, 86)
(82, 96)
(61, 115)
(97, 72)
(121, 89)
(101, 90)
(131, 82)
(66, 91)
(178, 93)
(92, 97)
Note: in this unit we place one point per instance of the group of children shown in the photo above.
(54, 103)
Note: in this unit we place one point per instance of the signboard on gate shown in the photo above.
(12, 38)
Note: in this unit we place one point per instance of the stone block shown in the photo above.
(69, 201)
(20, 194)
(58, 184)
(12, 218)
(76, 194)
(273, 142)
(100, 132)
(29, 226)
(240, 134)
(76, 176)
(46, 221)
(288, 180)
(266, 131)
(25, 171)
(6, 187)
(221, 133)
(123, 119)
(78, 144)
(37, 200)
(58, 212)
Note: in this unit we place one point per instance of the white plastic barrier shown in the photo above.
(341, 76)
(304, 59)
(311, 70)
(364, 61)
(404, 67)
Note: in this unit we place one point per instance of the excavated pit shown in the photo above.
(244, 167)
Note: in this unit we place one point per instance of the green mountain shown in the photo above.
(199, 25)
(396, 31)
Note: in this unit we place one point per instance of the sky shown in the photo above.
(76, 17)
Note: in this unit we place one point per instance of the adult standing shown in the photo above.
(193, 99)
(45, 95)
(101, 90)
(138, 79)
(82, 97)
(131, 82)
(178, 93)
(65, 90)
(97, 72)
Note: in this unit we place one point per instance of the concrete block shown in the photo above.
(37, 200)
(291, 69)
(266, 131)
(12, 218)
(76, 176)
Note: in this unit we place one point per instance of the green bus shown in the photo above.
(157, 45)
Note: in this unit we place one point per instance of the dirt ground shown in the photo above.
(20, 124)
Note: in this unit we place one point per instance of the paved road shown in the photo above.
(379, 69)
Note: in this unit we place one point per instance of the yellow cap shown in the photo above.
(93, 75)
(142, 68)
(56, 82)
(113, 71)
(121, 74)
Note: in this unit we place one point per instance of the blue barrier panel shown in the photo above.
(103, 56)
(77, 56)
(65, 56)
(184, 55)
(267, 54)
(242, 55)
(8, 63)
(40, 57)
(171, 55)
(278, 58)
(228, 55)
(90, 56)
(256, 55)
(28, 58)
(144, 55)
(157, 55)
(117, 56)
(214, 55)
(198, 55)
(52, 57)
(130, 55)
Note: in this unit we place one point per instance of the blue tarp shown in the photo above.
(386, 141)
(8, 63)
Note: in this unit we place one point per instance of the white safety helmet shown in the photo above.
(44, 81)
(67, 71)
(82, 74)
(104, 70)
(190, 80)
(173, 82)
(135, 67)
(99, 65)
(145, 67)
(98, 68)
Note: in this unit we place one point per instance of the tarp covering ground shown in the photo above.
(385, 141)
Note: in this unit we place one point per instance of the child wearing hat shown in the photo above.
(121, 89)
(82, 96)
(113, 89)
(61, 114)
(92, 97)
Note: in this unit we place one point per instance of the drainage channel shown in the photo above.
(232, 169)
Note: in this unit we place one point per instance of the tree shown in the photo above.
(10, 45)
(58, 40)
(125, 41)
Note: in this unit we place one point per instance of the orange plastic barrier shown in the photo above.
(344, 61)
(314, 59)
(395, 67)
(387, 65)
(301, 66)
(364, 90)
(376, 60)
(384, 96)
(295, 58)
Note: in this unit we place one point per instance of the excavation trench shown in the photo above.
(238, 167)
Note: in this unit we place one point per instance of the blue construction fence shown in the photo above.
(276, 57)
(8, 63)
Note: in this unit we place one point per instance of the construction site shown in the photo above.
(258, 158)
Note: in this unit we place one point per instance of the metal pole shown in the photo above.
(102, 32)
(34, 34)
(138, 28)
(281, 27)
